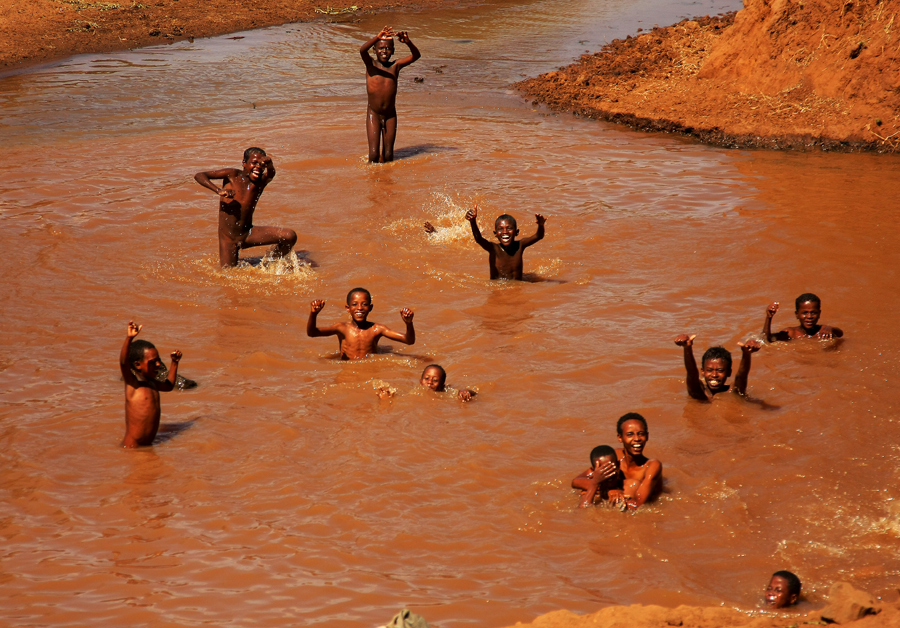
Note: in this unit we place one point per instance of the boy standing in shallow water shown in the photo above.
(139, 361)
(381, 88)
(808, 310)
(716, 363)
(238, 195)
(505, 258)
(359, 337)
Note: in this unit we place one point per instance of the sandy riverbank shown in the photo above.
(780, 74)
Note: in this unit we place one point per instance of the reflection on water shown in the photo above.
(299, 496)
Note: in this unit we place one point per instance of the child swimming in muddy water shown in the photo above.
(381, 89)
(783, 589)
(140, 363)
(504, 256)
(602, 480)
(642, 478)
(716, 368)
(238, 196)
(359, 338)
(808, 310)
(433, 377)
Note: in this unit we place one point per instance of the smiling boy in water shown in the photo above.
(435, 377)
(139, 362)
(505, 256)
(808, 310)
(783, 589)
(716, 363)
(238, 195)
(381, 88)
(359, 338)
(642, 477)
(602, 479)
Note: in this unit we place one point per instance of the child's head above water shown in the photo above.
(434, 377)
(253, 150)
(359, 304)
(631, 416)
(363, 291)
(144, 358)
(783, 589)
(384, 48)
(809, 309)
(603, 451)
(716, 366)
(807, 297)
(506, 229)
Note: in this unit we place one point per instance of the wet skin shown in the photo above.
(505, 255)
(238, 196)
(778, 593)
(434, 378)
(715, 372)
(808, 314)
(381, 88)
(602, 480)
(359, 338)
(642, 476)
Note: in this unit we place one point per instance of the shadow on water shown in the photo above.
(168, 431)
(421, 149)
(535, 278)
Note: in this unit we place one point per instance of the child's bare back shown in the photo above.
(504, 256)
(359, 338)
(140, 363)
(381, 88)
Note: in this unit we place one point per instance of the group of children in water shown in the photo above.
(624, 477)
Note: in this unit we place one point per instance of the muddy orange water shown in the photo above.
(296, 496)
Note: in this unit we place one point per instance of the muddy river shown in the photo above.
(292, 495)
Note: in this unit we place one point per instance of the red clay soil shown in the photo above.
(778, 74)
(38, 31)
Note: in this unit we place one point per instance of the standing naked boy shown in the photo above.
(359, 337)
(505, 258)
(381, 87)
(642, 476)
(238, 195)
(716, 363)
(139, 361)
(808, 310)
(602, 480)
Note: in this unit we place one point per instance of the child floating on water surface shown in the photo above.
(808, 309)
(434, 377)
(642, 477)
(381, 88)
(359, 337)
(139, 361)
(603, 479)
(238, 195)
(716, 365)
(783, 589)
(505, 258)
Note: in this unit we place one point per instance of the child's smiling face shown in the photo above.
(150, 365)
(384, 49)
(634, 436)
(778, 593)
(255, 166)
(716, 372)
(359, 306)
(506, 232)
(808, 314)
(433, 378)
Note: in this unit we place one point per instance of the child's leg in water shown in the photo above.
(374, 126)
(283, 239)
(390, 134)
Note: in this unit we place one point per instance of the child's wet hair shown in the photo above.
(251, 150)
(438, 367)
(631, 416)
(355, 290)
(600, 451)
(807, 297)
(136, 351)
(716, 353)
(792, 580)
(508, 219)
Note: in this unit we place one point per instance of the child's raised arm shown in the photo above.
(312, 330)
(203, 178)
(767, 326)
(743, 372)
(472, 217)
(127, 373)
(414, 56)
(386, 33)
(408, 338)
(692, 380)
(537, 236)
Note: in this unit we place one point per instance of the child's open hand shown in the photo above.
(751, 346)
(403, 36)
(407, 315)
(386, 33)
(465, 395)
(684, 340)
(472, 214)
(176, 356)
(316, 306)
(825, 334)
(133, 329)
(770, 311)
(540, 220)
(429, 228)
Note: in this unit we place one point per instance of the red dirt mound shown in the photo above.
(779, 74)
